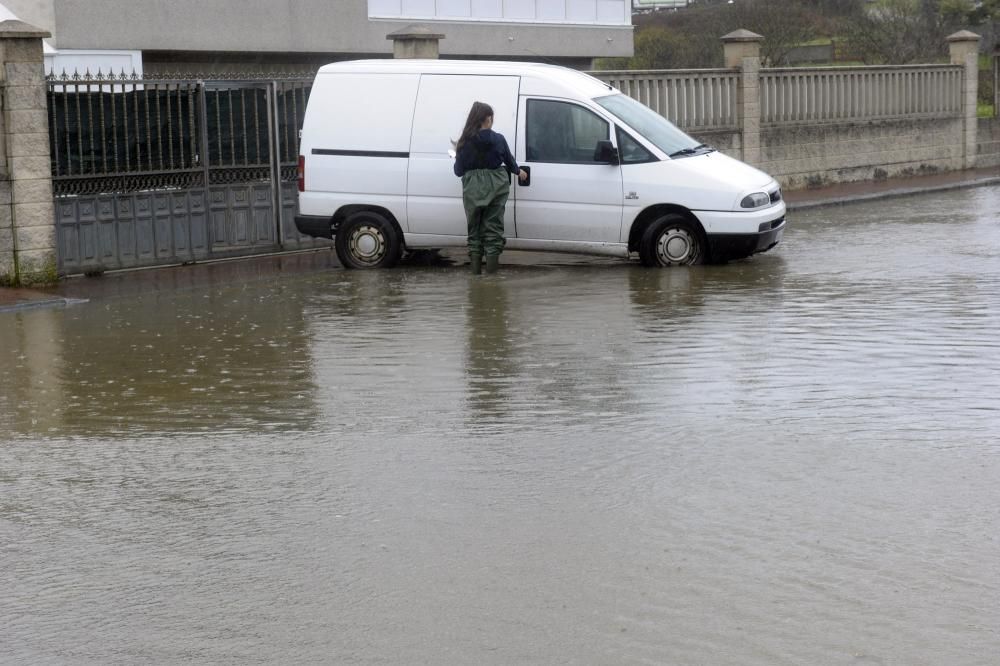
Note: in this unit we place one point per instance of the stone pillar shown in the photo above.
(27, 214)
(964, 49)
(415, 41)
(742, 51)
(996, 81)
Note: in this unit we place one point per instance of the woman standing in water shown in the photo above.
(484, 163)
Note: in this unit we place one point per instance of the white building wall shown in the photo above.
(509, 29)
(82, 62)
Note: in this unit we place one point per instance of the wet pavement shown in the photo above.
(831, 195)
(786, 460)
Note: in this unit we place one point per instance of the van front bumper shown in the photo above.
(728, 247)
(317, 226)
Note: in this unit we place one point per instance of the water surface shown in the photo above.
(787, 460)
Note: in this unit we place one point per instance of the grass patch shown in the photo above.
(985, 111)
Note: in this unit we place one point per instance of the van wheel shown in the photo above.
(672, 240)
(366, 239)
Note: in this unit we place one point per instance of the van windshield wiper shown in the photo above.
(690, 151)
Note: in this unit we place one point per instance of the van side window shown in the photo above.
(631, 151)
(563, 132)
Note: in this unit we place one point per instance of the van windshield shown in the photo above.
(654, 127)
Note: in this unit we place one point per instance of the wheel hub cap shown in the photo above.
(676, 246)
(367, 244)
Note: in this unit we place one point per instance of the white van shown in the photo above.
(608, 175)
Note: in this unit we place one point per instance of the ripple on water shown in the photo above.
(786, 460)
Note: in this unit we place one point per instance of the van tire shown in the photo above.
(367, 239)
(672, 240)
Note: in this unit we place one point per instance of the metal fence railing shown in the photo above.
(123, 133)
(291, 96)
(140, 131)
(859, 93)
(695, 99)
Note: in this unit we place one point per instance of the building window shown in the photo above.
(583, 12)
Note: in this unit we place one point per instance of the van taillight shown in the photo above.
(302, 173)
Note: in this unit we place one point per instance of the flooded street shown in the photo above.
(788, 460)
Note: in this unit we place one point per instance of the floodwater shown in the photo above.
(789, 460)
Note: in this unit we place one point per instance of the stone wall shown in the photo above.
(8, 271)
(810, 127)
(816, 155)
(988, 144)
(813, 153)
(28, 246)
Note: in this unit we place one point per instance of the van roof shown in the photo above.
(563, 77)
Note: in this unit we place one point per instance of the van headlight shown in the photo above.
(755, 200)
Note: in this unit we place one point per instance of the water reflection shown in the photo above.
(676, 295)
(211, 360)
(546, 348)
(490, 359)
(791, 459)
(31, 393)
(657, 292)
(360, 299)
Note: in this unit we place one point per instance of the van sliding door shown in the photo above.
(434, 202)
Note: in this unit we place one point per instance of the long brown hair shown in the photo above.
(478, 114)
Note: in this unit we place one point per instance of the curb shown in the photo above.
(890, 194)
(42, 303)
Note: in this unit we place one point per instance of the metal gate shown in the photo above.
(153, 172)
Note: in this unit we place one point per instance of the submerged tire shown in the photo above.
(672, 240)
(367, 239)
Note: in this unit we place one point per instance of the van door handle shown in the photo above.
(527, 181)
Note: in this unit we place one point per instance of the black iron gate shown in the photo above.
(152, 172)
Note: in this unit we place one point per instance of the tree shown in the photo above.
(905, 31)
(690, 37)
(893, 31)
(986, 19)
(884, 31)
(987, 11)
(682, 39)
(655, 48)
(784, 24)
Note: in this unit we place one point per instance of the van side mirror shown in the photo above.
(605, 152)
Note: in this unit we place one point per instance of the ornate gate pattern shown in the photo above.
(152, 172)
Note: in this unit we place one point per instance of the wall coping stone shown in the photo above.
(14, 29)
(963, 36)
(742, 35)
(417, 32)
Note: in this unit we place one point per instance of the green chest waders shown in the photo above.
(484, 194)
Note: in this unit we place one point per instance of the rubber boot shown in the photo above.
(492, 263)
(476, 261)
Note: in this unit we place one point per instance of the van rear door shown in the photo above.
(354, 141)
(434, 201)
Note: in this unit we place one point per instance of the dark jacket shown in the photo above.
(485, 150)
